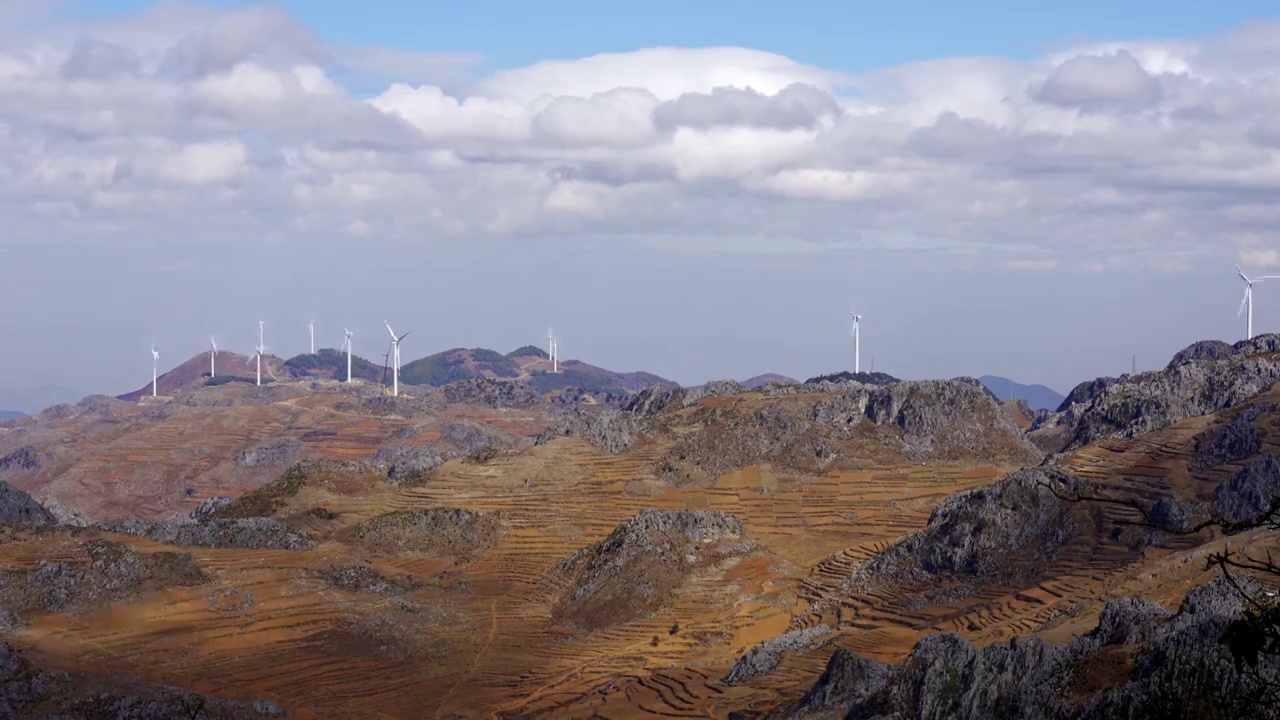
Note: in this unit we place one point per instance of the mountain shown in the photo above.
(1038, 397)
(11, 414)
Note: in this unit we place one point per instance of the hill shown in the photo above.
(760, 381)
(196, 370)
(1038, 397)
(458, 364)
(331, 364)
(11, 414)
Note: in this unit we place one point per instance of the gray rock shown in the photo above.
(1231, 441)
(847, 679)
(1203, 350)
(273, 453)
(19, 508)
(715, 388)
(24, 458)
(267, 708)
(208, 507)
(1250, 491)
(251, 533)
(1182, 670)
(765, 657)
(403, 462)
(492, 393)
(67, 516)
(1006, 532)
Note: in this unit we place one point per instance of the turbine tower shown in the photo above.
(551, 348)
(1247, 302)
(346, 345)
(395, 362)
(311, 324)
(213, 354)
(857, 350)
(257, 354)
(155, 365)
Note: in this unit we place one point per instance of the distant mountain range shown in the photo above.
(1038, 397)
(529, 365)
(30, 401)
(11, 414)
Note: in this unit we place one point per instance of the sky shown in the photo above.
(699, 190)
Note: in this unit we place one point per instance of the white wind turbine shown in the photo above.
(311, 324)
(261, 348)
(213, 353)
(155, 368)
(395, 360)
(857, 350)
(346, 345)
(1247, 302)
(553, 348)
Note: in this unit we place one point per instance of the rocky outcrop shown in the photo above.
(278, 452)
(613, 431)
(715, 388)
(491, 393)
(331, 476)
(109, 573)
(1007, 532)
(1231, 441)
(1200, 382)
(765, 657)
(847, 679)
(24, 458)
(208, 507)
(1249, 492)
(1168, 666)
(1203, 350)
(257, 533)
(844, 376)
(66, 516)
(359, 577)
(19, 508)
(433, 532)
(406, 462)
(635, 570)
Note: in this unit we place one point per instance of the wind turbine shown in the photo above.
(213, 353)
(155, 365)
(857, 350)
(346, 345)
(257, 354)
(553, 348)
(395, 363)
(311, 324)
(1247, 301)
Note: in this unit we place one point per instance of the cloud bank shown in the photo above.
(188, 123)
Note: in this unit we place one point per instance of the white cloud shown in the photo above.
(1043, 264)
(1143, 149)
(1258, 257)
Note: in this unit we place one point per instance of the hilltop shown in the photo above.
(229, 366)
(1039, 397)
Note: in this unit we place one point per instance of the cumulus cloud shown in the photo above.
(227, 120)
(1259, 257)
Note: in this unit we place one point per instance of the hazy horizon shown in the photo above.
(1039, 199)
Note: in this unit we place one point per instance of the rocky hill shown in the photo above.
(1202, 379)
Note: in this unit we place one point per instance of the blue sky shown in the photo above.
(844, 35)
